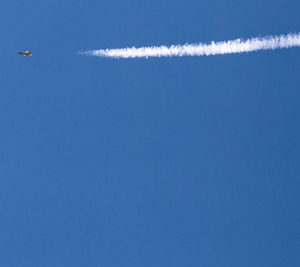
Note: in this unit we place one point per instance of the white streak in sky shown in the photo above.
(214, 48)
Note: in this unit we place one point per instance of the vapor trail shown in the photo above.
(214, 48)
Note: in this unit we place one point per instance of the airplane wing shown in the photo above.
(21, 53)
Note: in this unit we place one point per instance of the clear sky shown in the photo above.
(188, 161)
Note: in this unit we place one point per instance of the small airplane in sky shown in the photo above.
(26, 53)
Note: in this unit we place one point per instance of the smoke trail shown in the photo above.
(218, 48)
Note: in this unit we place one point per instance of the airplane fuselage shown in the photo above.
(26, 53)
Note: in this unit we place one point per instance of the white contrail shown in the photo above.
(218, 48)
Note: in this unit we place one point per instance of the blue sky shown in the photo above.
(159, 162)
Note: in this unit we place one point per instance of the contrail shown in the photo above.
(201, 49)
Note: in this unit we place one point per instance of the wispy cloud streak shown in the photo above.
(214, 48)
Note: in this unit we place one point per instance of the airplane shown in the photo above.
(26, 53)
